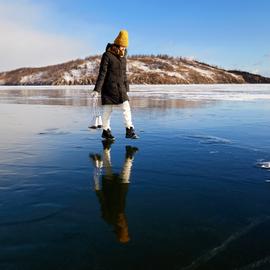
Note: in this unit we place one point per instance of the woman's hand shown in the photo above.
(94, 94)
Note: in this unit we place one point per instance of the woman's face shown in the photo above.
(122, 49)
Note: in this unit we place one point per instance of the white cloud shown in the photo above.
(262, 66)
(24, 43)
(255, 71)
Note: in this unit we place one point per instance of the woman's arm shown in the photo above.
(126, 79)
(102, 72)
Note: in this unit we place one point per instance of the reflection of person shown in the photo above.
(113, 85)
(113, 190)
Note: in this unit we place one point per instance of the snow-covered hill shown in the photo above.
(142, 69)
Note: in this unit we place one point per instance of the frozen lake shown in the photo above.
(196, 194)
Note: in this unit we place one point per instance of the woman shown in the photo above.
(113, 85)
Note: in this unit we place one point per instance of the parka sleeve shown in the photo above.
(102, 72)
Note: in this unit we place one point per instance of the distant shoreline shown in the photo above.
(91, 86)
(141, 69)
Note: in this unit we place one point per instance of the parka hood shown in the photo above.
(110, 45)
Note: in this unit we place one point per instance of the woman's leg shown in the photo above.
(127, 114)
(106, 116)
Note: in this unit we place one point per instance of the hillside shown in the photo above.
(142, 69)
(251, 78)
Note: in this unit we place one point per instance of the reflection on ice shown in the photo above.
(79, 95)
(113, 189)
(193, 199)
(212, 92)
(264, 164)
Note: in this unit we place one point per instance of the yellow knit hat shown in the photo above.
(122, 38)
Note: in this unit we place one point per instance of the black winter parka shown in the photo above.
(112, 80)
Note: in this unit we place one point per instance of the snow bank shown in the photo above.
(33, 78)
(134, 64)
(88, 68)
(201, 71)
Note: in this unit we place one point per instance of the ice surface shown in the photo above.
(210, 139)
(214, 92)
(195, 196)
(230, 92)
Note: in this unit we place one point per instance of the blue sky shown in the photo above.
(230, 34)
